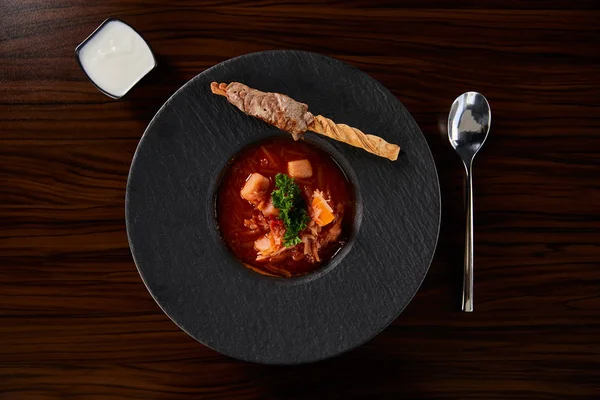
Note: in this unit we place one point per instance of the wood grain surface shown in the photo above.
(75, 318)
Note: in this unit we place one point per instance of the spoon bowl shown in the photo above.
(469, 124)
(468, 127)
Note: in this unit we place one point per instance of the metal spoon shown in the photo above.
(468, 126)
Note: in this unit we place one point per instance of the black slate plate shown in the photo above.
(189, 271)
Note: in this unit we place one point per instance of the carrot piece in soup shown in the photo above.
(322, 211)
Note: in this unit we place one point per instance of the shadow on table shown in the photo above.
(152, 91)
(368, 372)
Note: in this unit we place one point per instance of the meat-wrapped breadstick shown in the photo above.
(293, 117)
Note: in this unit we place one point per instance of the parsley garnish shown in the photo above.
(292, 208)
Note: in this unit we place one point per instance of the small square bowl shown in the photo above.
(80, 48)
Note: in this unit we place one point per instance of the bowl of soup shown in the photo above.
(285, 208)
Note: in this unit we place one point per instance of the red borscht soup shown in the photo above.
(284, 207)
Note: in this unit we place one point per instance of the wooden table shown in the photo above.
(76, 320)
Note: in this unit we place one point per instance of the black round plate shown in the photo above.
(191, 274)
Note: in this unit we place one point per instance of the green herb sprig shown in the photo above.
(292, 208)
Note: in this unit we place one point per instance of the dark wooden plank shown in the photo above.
(75, 318)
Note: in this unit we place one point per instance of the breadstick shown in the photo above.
(354, 137)
(294, 117)
(219, 88)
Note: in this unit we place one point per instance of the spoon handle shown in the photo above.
(467, 300)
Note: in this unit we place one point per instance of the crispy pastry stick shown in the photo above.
(293, 117)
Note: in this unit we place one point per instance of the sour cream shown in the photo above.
(115, 57)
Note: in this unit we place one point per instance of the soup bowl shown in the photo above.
(269, 157)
